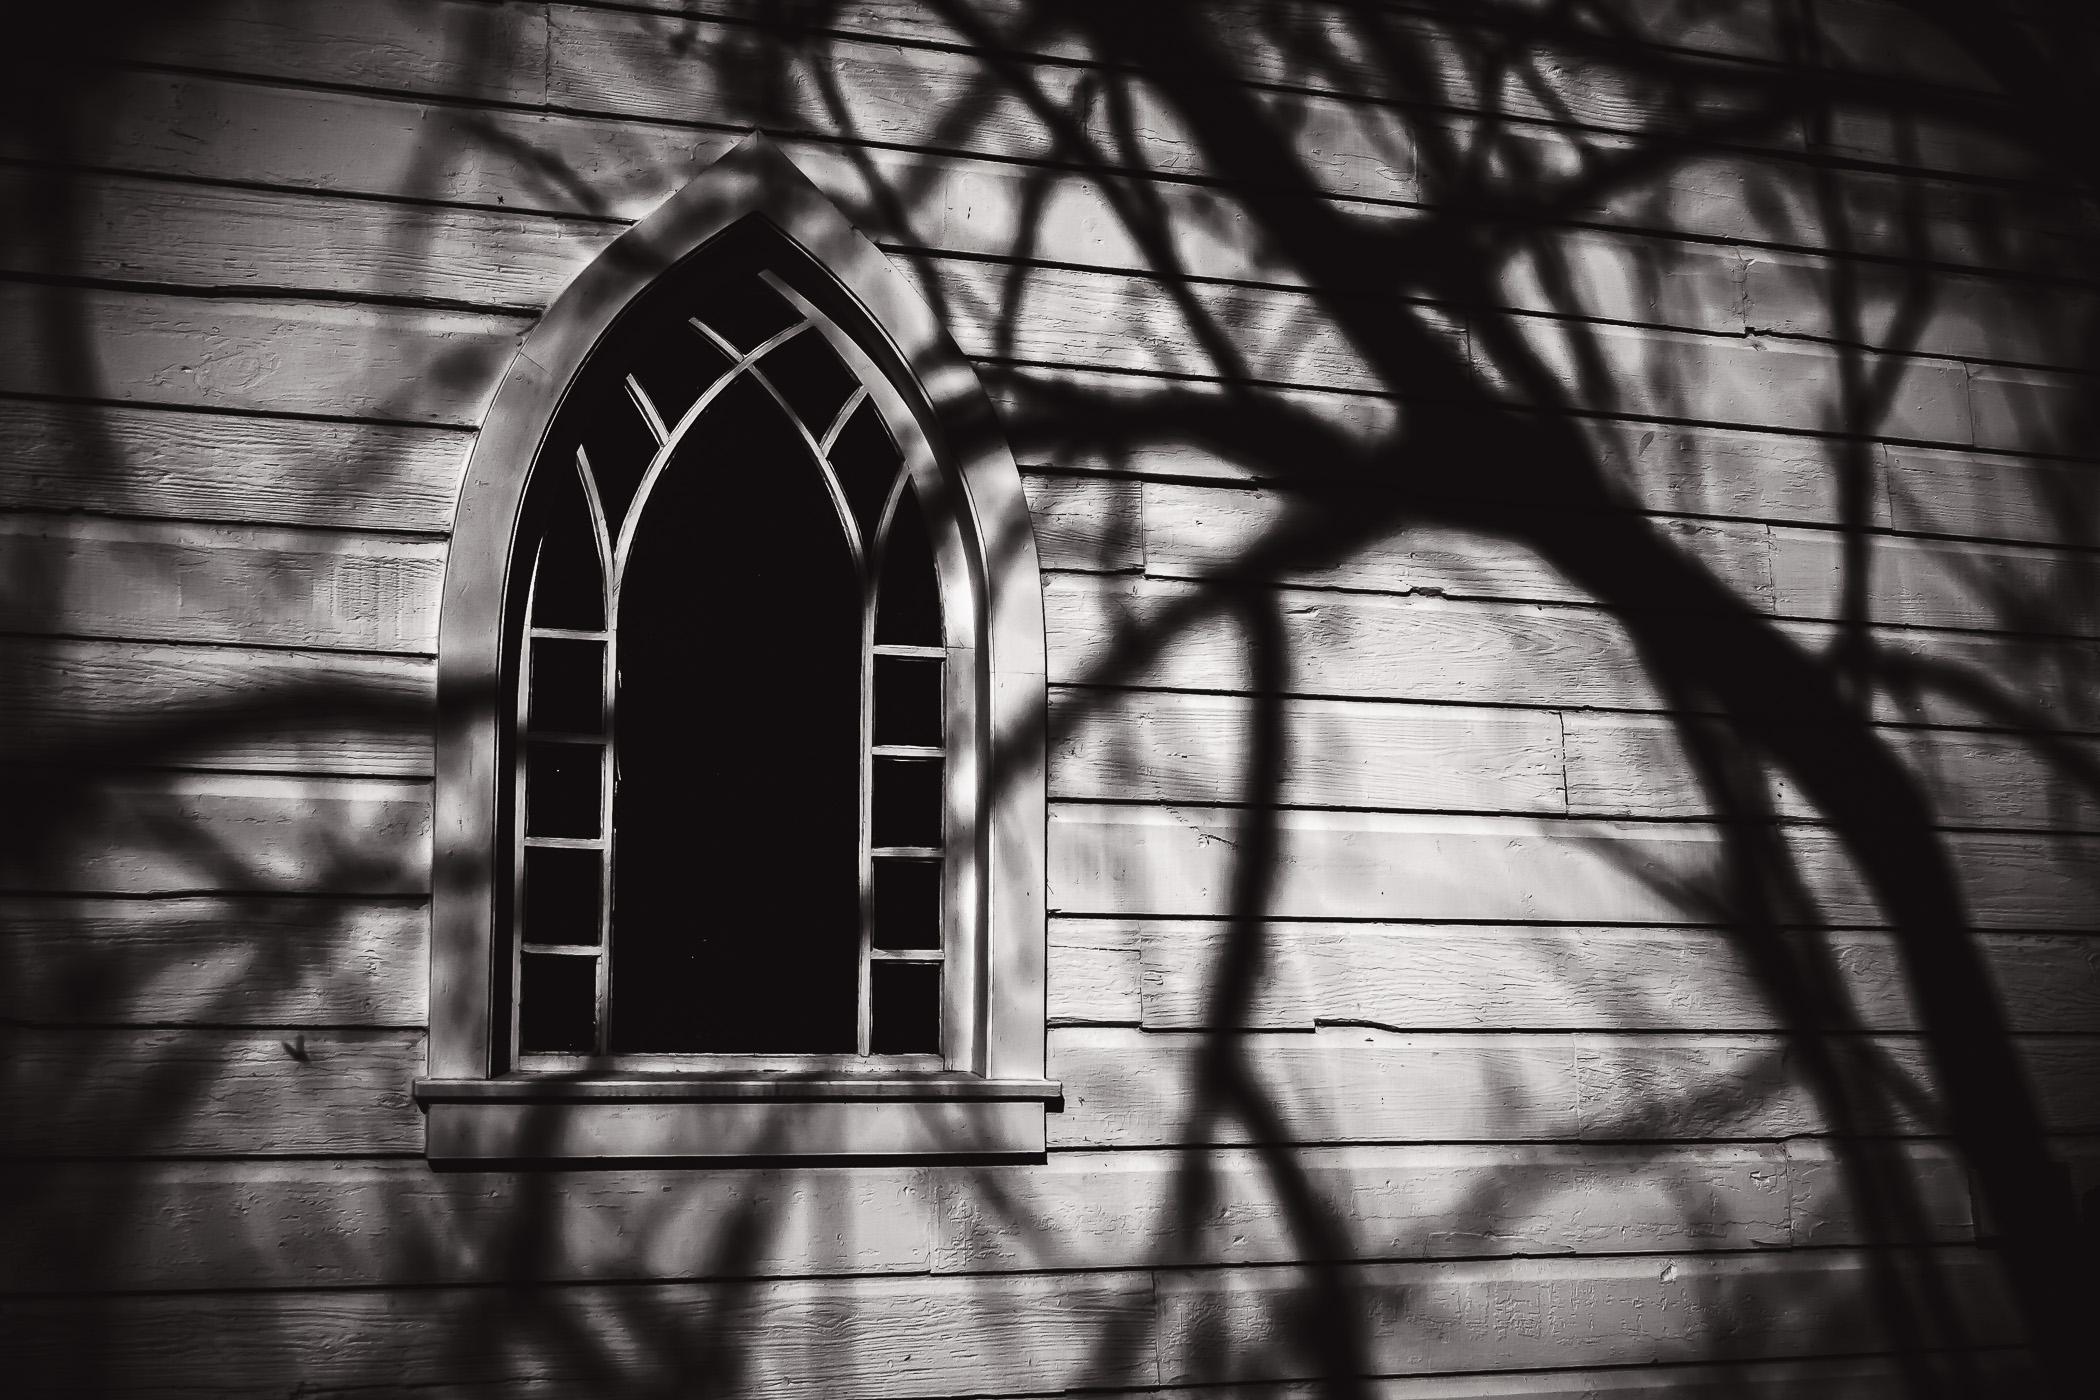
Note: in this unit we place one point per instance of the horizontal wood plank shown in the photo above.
(1126, 1088)
(835, 1339)
(221, 466)
(1181, 862)
(1466, 977)
(1536, 1313)
(249, 585)
(214, 961)
(1174, 635)
(111, 704)
(406, 364)
(335, 1224)
(157, 833)
(214, 1092)
(260, 1224)
(1162, 746)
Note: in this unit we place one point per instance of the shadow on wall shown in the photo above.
(1418, 280)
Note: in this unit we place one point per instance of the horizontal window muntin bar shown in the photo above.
(903, 649)
(573, 634)
(567, 950)
(909, 751)
(567, 843)
(905, 852)
(907, 955)
(563, 736)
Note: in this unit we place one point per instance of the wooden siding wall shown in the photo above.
(260, 286)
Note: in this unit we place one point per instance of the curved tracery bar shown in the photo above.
(732, 691)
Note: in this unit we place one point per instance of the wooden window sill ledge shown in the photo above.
(716, 1087)
(672, 1117)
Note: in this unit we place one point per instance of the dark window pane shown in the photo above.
(907, 1008)
(566, 587)
(673, 363)
(910, 598)
(908, 700)
(561, 896)
(736, 904)
(867, 463)
(811, 377)
(619, 444)
(558, 1003)
(907, 802)
(743, 310)
(568, 682)
(561, 789)
(907, 904)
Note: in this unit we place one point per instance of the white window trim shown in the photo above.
(992, 1096)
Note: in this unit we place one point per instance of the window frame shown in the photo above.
(990, 1096)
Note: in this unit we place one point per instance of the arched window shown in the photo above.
(740, 689)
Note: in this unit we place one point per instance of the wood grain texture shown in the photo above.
(1635, 765)
(1417, 1317)
(218, 466)
(178, 833)
(212, 1092)
(297, 1224)
(156, 581)
(1162, 746)
(195, 1225)
(1179, 862)
(1466, 977)
(1193, 531)
(214, 962)
(1174, 635)
(113, 704)
(902, 1337)
(1127, 1088)
(385, 362)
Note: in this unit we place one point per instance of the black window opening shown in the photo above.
(730, 770)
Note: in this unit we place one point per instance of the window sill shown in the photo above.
(554, 1117)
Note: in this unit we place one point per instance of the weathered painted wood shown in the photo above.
(1193, 531)
(453, 48)
(1251, 1325)
(1127, 1088)
(1438, 650)
(211, 1092)
(835, 1339)
(1163, 746)
(1797, 293)
(143, 833)
(219, 466)
(388, 362)
(144, 703)
(238, 239)
(1636, 765)
(1181, 862)
(1938, 583)
(220, 583)
(214, 962)
(1088, 523)
(1823, 1205)
(1124, 1209)
(2030, 410)
(1992, 497)
(263, 1224)
(1464, 977)
(337, 1224)
(1095, 969)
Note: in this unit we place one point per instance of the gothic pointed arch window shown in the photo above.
(740, 686)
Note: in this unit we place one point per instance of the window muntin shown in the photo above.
(734, 687)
